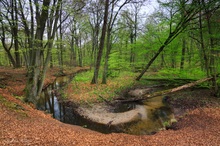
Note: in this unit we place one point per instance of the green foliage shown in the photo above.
(3, 58)
(171, 73)
(167, 124)
(218, 81)
(6, 103)
(117, 64)
(84, 92)
(83, 77)
(20, 98)
(64, 95)
(116, 61)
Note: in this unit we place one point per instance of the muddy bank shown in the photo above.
(121, 117)
(154, 112)
(100, 113)
(119, 113)
(137, 118)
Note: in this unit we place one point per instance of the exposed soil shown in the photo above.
(197, 112)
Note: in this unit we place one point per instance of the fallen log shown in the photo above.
(172, 79)
(164, 92)
(106, 101)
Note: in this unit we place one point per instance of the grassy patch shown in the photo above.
(175, 73)
(81, 89)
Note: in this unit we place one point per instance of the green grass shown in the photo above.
(83, 77)
(171, 73)
(84, 91)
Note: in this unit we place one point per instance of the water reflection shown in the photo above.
(49, 102)
(65, 112)
(157, 116)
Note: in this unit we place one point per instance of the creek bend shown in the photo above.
(131, 118)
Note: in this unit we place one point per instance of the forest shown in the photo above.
(118, 44)
(176, 37)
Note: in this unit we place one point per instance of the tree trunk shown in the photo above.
(162, 64)
(34, 76)
(37, 69)
(15, 33)
(202, 44)
(105, 72)
(183, 53)
(73, 52)
(101, 46)
(51, 60)
(11, 59)
(132, 47)
(61, 44)
(150, 62)
(79, 47)
(212, 65)
(111, 22)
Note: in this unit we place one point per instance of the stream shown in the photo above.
(131, 118)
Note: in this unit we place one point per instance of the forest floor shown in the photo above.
(21, 124)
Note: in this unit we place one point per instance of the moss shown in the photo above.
(2, 86)
(6, 103)
(22, 98)
(18, 109)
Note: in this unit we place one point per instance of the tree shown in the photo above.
(132, 24)
(95, 10)
(202, 44)
(178, 24)
(37, 67)
(9, 26)
(101, 45)
(72, 27)
(60, 38)
(212, 66)
(112, 19)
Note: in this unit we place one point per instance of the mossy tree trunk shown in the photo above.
(37, 67)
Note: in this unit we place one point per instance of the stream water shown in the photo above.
(154, 114)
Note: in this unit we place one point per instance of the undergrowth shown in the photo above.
(83, 91)
(173, 73)
(177, 77)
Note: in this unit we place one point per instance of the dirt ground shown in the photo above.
(197, 112)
